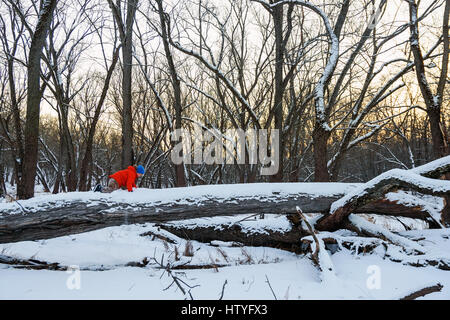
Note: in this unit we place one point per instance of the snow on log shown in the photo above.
(362, 226)
(51, 216)
(434, 169)
(31, 264)
(392, 180)
(335, 242)
(245, 235)
(423, 207)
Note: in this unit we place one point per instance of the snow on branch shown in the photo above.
(332, 61)
(374, 230)
(434, 169)
(319, 254)
(418, 179)
(404, 178)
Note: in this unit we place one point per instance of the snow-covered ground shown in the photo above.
(103, 262)
(99, 269)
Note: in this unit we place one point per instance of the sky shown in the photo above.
(397, 10)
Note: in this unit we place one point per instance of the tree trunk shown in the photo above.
(127, 56)
(71, 170)
(179, 168)
(2, 175)
(432, 101)
(18, 153)
(445, 214)
(389, 181)
(25, 188)
(287, 240)
(57, 219)
(52, 220)
(437, 136)
(277, 15)
(320, 141)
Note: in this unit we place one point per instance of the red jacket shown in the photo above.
(126, 178)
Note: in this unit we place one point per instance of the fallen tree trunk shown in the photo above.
(445, 216)
(53, 219)
(31, 264)
(420, 179)
(288, 240)
(295, 240)
(368, 229)
(73, 217)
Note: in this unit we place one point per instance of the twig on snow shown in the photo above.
(423, 292)
(268, 282)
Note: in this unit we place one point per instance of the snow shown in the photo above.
(187, 195)
(291, 276)
(363, 224)
(430, 204)
(327, 275)
(105, 260)
(396, 224)
(432, 165)
(408, 176)
(251, 224)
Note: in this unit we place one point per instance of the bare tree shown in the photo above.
(179, 168)
(62, 57)
(125, 26)
(10, 48)
(25, 188)
(433, 101)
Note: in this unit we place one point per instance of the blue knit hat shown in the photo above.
(140, 169)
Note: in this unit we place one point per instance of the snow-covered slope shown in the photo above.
(109, 263)
(245, 269)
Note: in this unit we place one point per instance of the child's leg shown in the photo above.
(112, 186)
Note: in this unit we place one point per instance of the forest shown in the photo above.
(274, 148)
(88, 87)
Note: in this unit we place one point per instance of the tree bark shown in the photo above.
(423, 292)
(2, 175)
(53, 220)
(277, 16)
(126, 39)
(19, 153)
(25, 188)
(288, 240)
(445, 214)
(432, 101)
(320, 141)
(179, 168)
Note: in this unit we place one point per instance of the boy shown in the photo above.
(122, 179)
